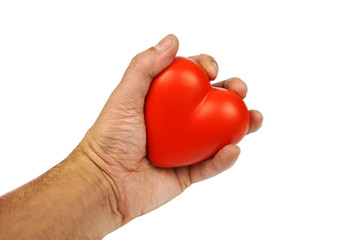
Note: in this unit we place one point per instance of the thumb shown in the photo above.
(146, 65)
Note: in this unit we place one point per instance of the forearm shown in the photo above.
(73, 200)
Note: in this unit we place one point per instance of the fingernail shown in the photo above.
(164, 44)
(215, 66)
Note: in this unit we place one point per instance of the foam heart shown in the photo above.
(188, 120)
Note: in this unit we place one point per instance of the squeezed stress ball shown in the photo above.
(188, 120)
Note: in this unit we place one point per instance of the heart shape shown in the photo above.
(188, 120)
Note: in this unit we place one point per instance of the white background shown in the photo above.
(297, 178)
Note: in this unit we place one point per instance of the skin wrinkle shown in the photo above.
(184, 183)
(116, 210)
(139, 65)
(119, 141)
(126, 217)
(215, 165)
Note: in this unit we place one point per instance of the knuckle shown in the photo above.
(215, 166)
(143, 62)
(136, 62)
(235, 79)
(206, 57)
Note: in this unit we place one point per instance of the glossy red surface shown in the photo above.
(188, 120)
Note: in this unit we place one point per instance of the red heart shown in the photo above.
(188, 120)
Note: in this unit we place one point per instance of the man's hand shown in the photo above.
(107, 180)
(116, 143)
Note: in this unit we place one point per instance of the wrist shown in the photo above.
(113, 172)
(102, 189)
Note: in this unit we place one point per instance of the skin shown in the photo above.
(107, 180)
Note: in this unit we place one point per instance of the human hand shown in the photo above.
(116, 142)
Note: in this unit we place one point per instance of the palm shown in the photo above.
(152, 187)
(122, 137)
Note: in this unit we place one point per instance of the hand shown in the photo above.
(116, 142)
